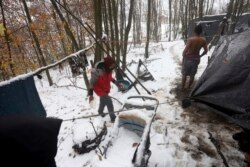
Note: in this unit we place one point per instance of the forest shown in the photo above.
(34, 34)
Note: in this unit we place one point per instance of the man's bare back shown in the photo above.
(194, 45)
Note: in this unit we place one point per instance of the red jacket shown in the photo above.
(102, 84)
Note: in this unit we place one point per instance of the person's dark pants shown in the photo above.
(189, 67)
(106, 101)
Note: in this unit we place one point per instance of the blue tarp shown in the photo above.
(21, 96)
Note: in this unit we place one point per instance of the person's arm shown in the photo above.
(204, 48)
(114, 81)
(186, 48)
(93, 79)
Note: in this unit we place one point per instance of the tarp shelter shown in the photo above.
(210, 24)
(20, 95)
(225, 83)
(28, 140)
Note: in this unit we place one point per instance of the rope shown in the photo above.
(38, 71)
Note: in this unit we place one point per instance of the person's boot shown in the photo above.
(102, 114)
(113, 119)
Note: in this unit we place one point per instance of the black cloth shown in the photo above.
(28, 141)
(225, 83)
(21, 96)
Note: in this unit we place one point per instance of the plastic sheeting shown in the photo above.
(21, 96)
(225, 83)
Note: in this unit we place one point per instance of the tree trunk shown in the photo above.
(111, 25)
(235, 10)
(127, 30)
(170, 20)
(66, 26)
(98, 29)
(148, 29)
(122, 25)
(247, 6)
(60, 34)
(37, 42)
(207, 5)
(176, 22)
(7, 40)
(201, 9)
(137, 22)
(186, 13)
(115, 18)
(211, 7)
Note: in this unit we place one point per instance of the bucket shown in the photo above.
(123, 85)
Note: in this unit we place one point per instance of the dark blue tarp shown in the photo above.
(20, 96)
(225, 83)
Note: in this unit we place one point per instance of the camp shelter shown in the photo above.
(225, 84)
(210, 24)
(19, 95)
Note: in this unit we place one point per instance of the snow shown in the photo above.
(17, 78)
(175, 140)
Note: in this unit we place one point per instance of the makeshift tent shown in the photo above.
(28, 140)
(210, 24)
(225, 83)
(20, 95)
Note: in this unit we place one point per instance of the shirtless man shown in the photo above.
(191, 56)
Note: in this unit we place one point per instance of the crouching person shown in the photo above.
(101, 76)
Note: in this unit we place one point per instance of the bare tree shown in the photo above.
(235, 10)
(127, 30)
(7, 40)
(98, 28)
(177, 17)
(122, 25)
(247, 6)
(201, 5)
(137, 23)
(111, 25)
(170, 19)
(115, 18)
(148, 28)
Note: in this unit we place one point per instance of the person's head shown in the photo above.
(198, 29)
(109, 63)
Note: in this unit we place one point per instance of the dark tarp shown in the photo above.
(28, 141)
(20, 96)
(225, 83)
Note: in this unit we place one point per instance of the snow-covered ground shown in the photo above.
(179, 138)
